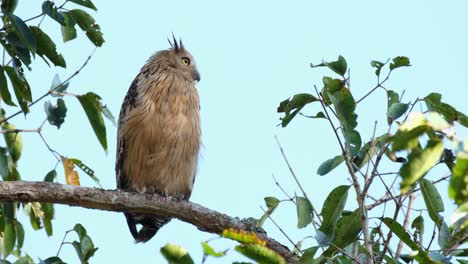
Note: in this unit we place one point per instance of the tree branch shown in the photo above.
(118, 201)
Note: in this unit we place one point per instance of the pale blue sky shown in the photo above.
(251, 55)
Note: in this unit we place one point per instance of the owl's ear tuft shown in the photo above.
(177, 46)
(181, 44)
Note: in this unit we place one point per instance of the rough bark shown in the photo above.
(118, 201)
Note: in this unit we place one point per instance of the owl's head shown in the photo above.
(183, 60)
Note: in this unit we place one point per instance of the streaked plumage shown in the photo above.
(159, 133)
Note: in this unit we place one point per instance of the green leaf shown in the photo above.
(19, 234)
(56, 113)
(21, 88)
(8, 48)
(418, 224)
(318, 115)
(87, 248)
(434, 103)
(304, 212)
(344, 105)
(407, 139)
(68, 30)
(9, 239)
(17, 49)
(23, 32)
(331, 85)
(389, 260)
(50, 176)
(209, 251)
(46, 47)
(49, 212)
(308, 255)
(432, 199)
(4, 163)
(85, 3)
(92, 106)
(260, 253)
(398, 230)
(34, 211)
(340, 66)
(87, 23)
(392, 98)
(176, 254)
(4, 92)
(400, 61)
(24, 260)
(329, 165)
(462, 119)
(353, 142)
(295, 104)
(8, 212)
(108, 114)
(377, 65)
(86, 170)
(444, 235)
(347, 232)
(80, 231)
(77, 246)
(458, 189)
(395, 111)
(271, 203)
(58, 86)
(332, 209)
(52, 260)
(49, 9)
(369, 150)
(419, 163)
(9, 6)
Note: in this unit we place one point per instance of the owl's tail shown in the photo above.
(150, 225)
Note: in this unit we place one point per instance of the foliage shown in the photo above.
(415, 143)
(344, 231)
(23, 41)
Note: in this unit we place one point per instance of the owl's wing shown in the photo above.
(128, 104)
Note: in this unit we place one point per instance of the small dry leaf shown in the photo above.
(71, 176)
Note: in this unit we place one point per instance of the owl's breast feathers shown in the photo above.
(159, 134)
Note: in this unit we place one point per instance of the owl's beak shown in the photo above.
(196, 76)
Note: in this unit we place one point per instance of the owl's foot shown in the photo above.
(149, 192)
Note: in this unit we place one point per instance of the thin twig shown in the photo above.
(432, 238)
(378, 85)
(368, 151)
(281, 230)
(295, 178)
(281, 188)
(359, 197)
(49, 92)
(385, 198)
(390, 233)
(54, 153)
(63, 242)
(346, 254)
(405, 224)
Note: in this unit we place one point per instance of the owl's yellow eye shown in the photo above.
(186, 61)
